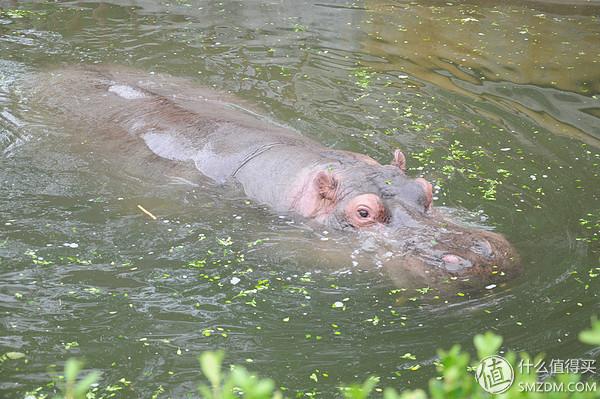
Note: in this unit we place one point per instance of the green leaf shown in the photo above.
(210, 363)
(361, 392)
(251, 386)
(205, 392)
(487, 344)
(14, 355)
(390, 393)
(592, 336)
(85, 384)
(72, 369)
(416, 394)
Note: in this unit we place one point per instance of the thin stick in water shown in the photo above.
(147, 212)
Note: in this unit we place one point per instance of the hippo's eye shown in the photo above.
(365, 210)
(363, 213)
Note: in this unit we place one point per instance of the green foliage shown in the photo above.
(238, 383)
(487, 344)
(299, 28)
(592, 336)
(210, 363)
(456, 378)
(363, 77)
(71, 388)
(361, 391)
(457, 382)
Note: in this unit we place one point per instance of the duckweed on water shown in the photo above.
(455, 378)
(363, 77)
(422, 104)
(11, 356)
(591, 226)
(299, 28)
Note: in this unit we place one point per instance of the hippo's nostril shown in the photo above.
(483, 248)
(454, 262)
(451, 258)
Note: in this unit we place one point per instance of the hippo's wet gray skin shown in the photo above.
(279, 167)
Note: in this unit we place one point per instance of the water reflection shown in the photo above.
(500, 53)
(491, 102)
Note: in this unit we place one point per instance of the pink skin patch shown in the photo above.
(455, 262)
(428, 191)
(451, 259)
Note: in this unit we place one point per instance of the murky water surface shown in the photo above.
(498, 105)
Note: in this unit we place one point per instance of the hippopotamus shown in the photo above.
(277, 166)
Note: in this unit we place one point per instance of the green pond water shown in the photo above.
(496, 103)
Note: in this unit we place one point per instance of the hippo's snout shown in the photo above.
(478, 254)
(476, 257)
(481, 249)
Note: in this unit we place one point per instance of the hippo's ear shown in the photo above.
(326, 185)
(399, 160)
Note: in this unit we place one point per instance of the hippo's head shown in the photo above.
(355, 192)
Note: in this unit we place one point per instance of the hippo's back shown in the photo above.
(175, 118)
(103, 93)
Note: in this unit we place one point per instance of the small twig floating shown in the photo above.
(147, 212)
